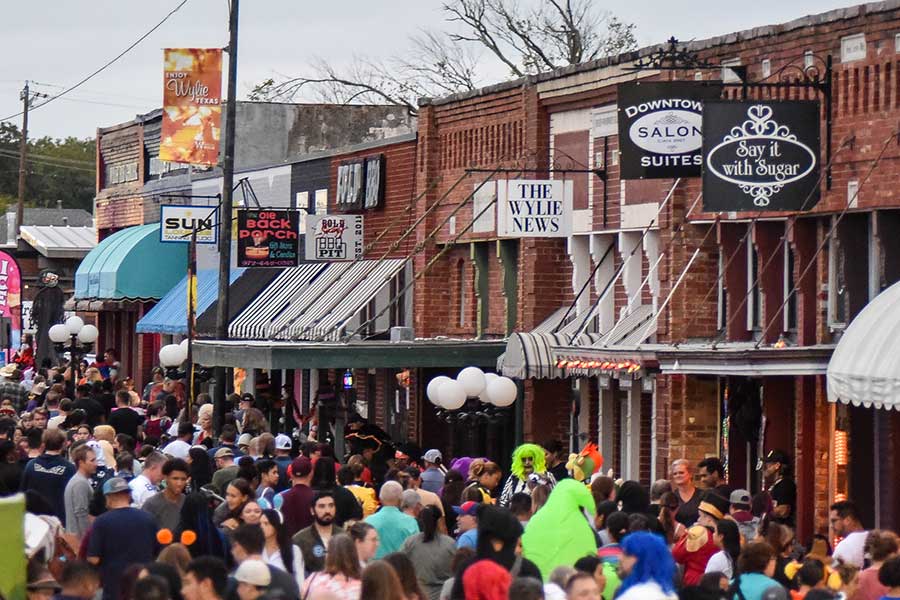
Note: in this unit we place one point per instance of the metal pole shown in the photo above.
(225, 215)
(23, 151)
(191, 307)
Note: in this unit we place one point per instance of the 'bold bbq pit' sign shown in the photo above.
(660, 128)
(334, 237)
(534, 208)
(268, 238)
(760, 156)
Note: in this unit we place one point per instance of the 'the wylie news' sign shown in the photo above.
(660, 128)
(534, 208)
(760, 155)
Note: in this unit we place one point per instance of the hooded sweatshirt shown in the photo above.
(560, 532)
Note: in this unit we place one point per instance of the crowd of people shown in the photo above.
(131, 496)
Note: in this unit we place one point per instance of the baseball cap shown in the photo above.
(254, 572)
(223, 452)
(433, 456)
(776, 456)
(244, 440)
(739, 497)
(467, 508)
(44, 581)
(247, 398)
(301, 466)
(116, 485)
(283, 442)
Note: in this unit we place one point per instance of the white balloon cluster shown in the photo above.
(172, 355)
(472, 382)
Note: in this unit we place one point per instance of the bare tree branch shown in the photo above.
(525, 40)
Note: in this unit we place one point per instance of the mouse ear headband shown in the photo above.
(166, 537)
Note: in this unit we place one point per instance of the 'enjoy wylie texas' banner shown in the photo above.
(192, 106)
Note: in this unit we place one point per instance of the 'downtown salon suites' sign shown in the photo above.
(660, 128)
(760, 156)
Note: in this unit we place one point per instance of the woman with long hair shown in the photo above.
(781, 539)
(380, 582)
(201, 467)
(324, 479)
(431, 553)
(365, 536)
(251, 514)
(485, 476)
(450, 497)
(279, 550)
(196, 516)
(406, 572)
(341, 577)
(728, 538)
(254, 422)
(648, 566)
(228, 514)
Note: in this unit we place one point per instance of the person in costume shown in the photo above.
(584, 464)
(527, 459)
(560, 533)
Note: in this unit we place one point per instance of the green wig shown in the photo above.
(536, 453)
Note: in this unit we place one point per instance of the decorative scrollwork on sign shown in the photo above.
(755, 150)
(672, 56)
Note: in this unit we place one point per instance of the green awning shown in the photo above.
(266, 354)
(131, 264)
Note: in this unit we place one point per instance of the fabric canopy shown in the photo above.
(131, 264)
(865, 367)
(170, 315)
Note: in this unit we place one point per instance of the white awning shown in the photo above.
(314, 301)
(865, 367)
(60, 242)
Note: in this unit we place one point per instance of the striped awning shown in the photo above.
(865, 367)
(314, 301)
(632, 329)
(529, 355)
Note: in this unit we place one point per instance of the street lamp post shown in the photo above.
(80, 337)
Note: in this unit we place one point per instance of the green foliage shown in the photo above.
(60, 170)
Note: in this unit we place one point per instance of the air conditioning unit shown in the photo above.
(401, 334)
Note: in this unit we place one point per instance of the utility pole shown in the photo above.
(225, 216)
(25, 96)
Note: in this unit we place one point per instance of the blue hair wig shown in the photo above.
(654, 561)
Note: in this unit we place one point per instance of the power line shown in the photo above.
(49, 158)
(105, 66)
(75, 161)
(46, 163)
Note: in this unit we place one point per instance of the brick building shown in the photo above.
(717, 338)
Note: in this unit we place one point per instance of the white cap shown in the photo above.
(433, 455)
(254, 572)
(283, 442)
(244, 440)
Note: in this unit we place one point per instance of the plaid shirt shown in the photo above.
(15, 392)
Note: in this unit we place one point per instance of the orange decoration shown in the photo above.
(188, 537)
(164, 536)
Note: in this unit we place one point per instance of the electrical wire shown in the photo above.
(46, 163)
(74, 161)
(105, 66)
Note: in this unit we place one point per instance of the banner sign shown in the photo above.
(268, 238)
(11, 297)
(334, 237)
(761, 155)
(192, 105)
(177, 222)
(660, 128)
(534, 208)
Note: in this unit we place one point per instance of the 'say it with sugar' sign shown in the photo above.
(534, 208)
(760, 156)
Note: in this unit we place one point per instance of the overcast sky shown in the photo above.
(57, 42)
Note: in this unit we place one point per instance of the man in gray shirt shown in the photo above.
(78, 493)
(166, 505)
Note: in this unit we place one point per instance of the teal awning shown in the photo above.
(131, 264)
(169, 316)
